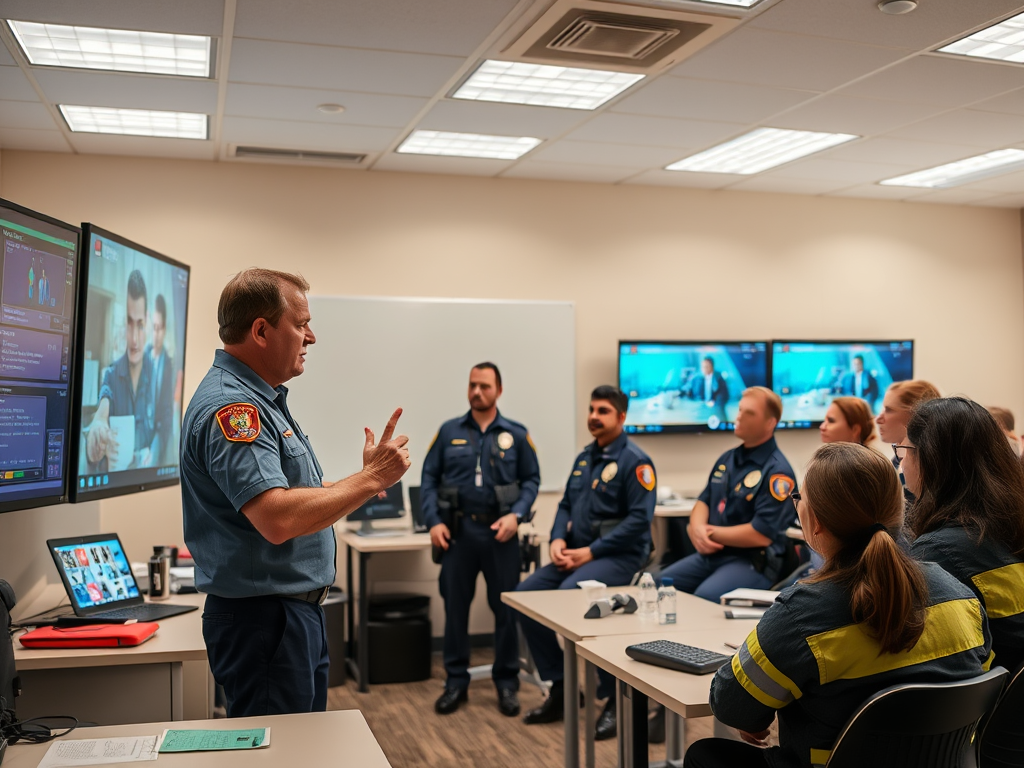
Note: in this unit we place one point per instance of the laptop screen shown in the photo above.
(97, 572)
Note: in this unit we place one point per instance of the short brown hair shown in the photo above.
(914, 392)
(857, 414)
(250, 295)
(772, 402)
(1003, 417)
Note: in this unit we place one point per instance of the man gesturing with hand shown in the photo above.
(258, 517)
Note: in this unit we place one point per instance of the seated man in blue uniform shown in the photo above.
(483, 469)
(602, 531)
(738, 524)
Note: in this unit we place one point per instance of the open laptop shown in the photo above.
(99, 581)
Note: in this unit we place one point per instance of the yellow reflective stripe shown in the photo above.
(768, 668)
(1003, 590)
(820, 756)
(759, 677)
(849, 652)
(988, 662)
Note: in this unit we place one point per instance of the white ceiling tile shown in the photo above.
(955, 196)
(1003, 201)
(450, 28)
(835, 113)
(142, 146)
(939, 80)
(876, 192)
(286, 134)
(14, 86)
(918, 154)
(106, 89)
(606, 154)
(340, 69)
(33, 140)
(616, 128)
(281, 103)
(6, 59)
(500, 119)
(530, 169)
(763, 183)
(764, 57)
(26, 114)
(705, 100)
(828, 169)
(663, 178)
(1011, 103)
(462, 166)
(988, 130)
(933, 22)
(1007, 183)
(191, 17)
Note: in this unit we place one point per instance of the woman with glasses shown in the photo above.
(969, 515)
(900, 400)
(870, 618)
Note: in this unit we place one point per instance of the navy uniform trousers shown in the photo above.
(613, 571)
(476, 550)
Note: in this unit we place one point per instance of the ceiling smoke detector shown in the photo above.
(897, 7)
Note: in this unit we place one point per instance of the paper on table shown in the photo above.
(212, 739)
(122, 429)
(126, 749)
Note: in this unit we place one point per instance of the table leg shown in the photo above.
(675, 735)
(632, 721)
(620, 725)
(364, 626)
(177, 691)
(589, 715)
(572, 706)
(350, 609)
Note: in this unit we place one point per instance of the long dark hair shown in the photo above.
(857, 498)
(970, 475)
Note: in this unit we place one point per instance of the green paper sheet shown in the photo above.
(209, 740)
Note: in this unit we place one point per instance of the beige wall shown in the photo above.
(639, 262)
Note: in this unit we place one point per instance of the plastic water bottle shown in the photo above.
(648, 597)
(666, 602)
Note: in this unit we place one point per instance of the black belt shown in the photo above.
(483, 517)
(314, 596)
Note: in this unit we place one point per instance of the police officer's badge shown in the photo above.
(608, 473)
(505, 441)
(752, 478)
(781, 486)
(240, 422)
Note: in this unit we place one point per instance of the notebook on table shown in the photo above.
(99, 582)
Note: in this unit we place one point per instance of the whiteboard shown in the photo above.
(374, 354)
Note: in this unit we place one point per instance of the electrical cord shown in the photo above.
(35, 730)
(32, 621)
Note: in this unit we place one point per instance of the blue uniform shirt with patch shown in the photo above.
(457, 451)
(125, 400)
(753, 485)
(219, 476)
(606, 484)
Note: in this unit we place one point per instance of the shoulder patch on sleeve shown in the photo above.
(240, 422)
(529, 439)
(645, 475)
(781, 486)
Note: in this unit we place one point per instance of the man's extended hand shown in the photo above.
(98, 441)
(699, 535)
(578, 557)
(440, 536)
(506, 527)
(388, 460)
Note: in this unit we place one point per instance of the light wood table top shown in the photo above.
(675, 510)
(180, 638)
(405, 541)
(327, 739)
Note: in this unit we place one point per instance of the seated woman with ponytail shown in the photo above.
(969, 514)
(870, 618)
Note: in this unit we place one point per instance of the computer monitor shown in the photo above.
(131, 367)
(419, 524)
(808, 375)
(39, 267)
(688, 386)
(388, 504)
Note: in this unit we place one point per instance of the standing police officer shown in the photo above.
(602, 531)
(480, 479)
(257, 516)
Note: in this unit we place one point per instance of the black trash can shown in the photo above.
(399, 632)
(334, 614)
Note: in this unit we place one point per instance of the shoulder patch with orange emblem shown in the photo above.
(781, 486)
(645, 476)
(240, 422)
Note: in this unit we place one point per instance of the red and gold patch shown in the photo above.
(240, 422)
(645, 474)
(781, 486)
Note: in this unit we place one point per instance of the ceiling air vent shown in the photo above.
(626, 38)
(300, 155)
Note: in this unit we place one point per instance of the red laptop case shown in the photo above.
(90, 636)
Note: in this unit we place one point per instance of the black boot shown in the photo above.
(553, 708)
(449, 700)
(656, 726)
(606, 722)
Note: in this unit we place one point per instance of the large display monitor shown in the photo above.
(130, 368)
(808, 375)
(38, 293)
(688, 386)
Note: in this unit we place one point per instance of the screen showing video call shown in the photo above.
(688, 386)
(38, 269)
(98, 572)
(809, 375)
(131, 366)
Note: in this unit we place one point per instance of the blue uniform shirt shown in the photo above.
(504, 453)
(752, 485)
(125, 401)
(612, 483)
(228, 458)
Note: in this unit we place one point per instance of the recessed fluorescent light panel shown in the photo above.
(120, 50)
(467, 145)
(1003, 41)
(962, 171)
(135, 122)
(542, 85)
(760, 150)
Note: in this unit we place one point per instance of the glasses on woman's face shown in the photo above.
(796, 500)
(900, 451)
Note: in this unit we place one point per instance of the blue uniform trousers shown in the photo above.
(711, 576)
(476, 550)
(269, 653)
(613, 571)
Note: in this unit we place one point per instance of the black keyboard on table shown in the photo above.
(146, 612)
(684, 658)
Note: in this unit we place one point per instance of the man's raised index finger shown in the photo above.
(389, 430)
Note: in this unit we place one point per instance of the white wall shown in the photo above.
(639, 262)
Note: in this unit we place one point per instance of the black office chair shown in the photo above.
(920, 725)
(1002, 736)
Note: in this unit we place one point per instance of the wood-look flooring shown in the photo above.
(402, 718)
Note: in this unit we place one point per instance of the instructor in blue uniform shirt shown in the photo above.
(480, 479)
(257, 515)
(602, 531)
